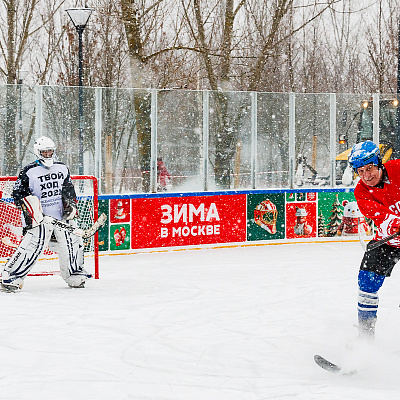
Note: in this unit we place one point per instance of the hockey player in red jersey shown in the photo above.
(378, 198)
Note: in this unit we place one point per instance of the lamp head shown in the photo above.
(79, 16)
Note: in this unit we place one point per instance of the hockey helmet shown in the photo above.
(363, 154)
(45, 151)
(265, 215)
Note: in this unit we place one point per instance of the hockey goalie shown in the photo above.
(44, 190)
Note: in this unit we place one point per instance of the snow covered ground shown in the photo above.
(215, 324)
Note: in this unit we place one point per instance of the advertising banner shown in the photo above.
(301, 215)
(338, 215)
(180, 221)
(104, 230)
(265, 216)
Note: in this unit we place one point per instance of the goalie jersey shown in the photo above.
(381, 203)
(53, 186)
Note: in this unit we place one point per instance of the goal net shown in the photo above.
(11, 226)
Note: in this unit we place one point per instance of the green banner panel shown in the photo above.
(103, 231)
(265, 216)
(120, 236)
(330, 212)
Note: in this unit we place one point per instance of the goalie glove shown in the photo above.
(70, 210)
(32, 210)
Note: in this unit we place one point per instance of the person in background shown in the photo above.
(163, 177)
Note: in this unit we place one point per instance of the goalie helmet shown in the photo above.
(45, 151)
(363, 154)
(265, 215)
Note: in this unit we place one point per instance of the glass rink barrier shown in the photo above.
(177, 140)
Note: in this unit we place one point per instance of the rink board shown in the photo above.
(155, 221)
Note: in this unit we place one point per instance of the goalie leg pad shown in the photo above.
(25, 257)
(69, 248)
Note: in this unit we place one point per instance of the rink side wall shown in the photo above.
(154, 221)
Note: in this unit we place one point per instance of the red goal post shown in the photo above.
(11, 225)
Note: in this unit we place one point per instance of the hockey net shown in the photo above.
(11, 225)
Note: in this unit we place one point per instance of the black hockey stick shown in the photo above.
(383, 241)
(84, 233)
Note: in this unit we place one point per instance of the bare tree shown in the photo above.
(24, 22)
(142, 21)
(381, 44)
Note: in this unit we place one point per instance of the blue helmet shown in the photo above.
(364, 153)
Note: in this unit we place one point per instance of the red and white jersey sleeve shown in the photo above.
(382, 204)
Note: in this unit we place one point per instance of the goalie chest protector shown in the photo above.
(50, 185)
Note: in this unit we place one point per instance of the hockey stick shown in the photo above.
(383, 241)
(84, 233)
(360, 238)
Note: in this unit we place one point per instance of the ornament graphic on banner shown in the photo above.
(265, 215)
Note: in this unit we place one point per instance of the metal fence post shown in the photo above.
(292, 137)
(39, 112)
(153, 161)
(332, 137)
(97, 132)
(375, 118)
(253, 139)
(205, 138)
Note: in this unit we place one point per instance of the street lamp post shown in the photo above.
(80, 18)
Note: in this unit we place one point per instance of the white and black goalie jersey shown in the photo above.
(53, 186)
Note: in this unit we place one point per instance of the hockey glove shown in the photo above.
(70, 210)
(394, 226)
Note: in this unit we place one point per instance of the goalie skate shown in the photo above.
(8, 288)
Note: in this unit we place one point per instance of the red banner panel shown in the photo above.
(301, 220)
(182, 221)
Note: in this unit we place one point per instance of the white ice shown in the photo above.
(214, 324)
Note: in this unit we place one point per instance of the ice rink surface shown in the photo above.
(215, 324)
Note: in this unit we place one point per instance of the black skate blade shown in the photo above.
(331, 367)
(327, 365)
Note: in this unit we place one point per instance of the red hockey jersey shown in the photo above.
(382, 205)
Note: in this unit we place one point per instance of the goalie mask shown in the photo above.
(265, 215)
(45, 151)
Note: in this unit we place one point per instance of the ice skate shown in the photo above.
(8, 288)
(82, 285)
(366, 328)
